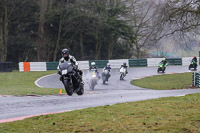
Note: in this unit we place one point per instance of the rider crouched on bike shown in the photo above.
(195, 60)
(164, 62)
(124, 66)
(107, 67)
(93, 67)
(67, 57)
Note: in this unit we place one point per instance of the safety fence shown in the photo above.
(45, 66)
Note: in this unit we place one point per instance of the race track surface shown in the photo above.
(116, 91)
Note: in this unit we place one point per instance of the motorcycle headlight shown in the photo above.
(94, 75)
(64, 72)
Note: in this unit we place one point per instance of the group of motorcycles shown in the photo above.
(93, 79)
(161, 67)
(73, 83)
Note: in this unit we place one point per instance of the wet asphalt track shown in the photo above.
(115, 91)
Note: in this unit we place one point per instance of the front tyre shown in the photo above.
(68, 88)
(121, 76)
(158, 70)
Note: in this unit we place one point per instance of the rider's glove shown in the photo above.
(75, 67)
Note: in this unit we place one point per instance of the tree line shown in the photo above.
(91, 29)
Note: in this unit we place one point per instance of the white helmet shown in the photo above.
(93, 63)
(108, 64)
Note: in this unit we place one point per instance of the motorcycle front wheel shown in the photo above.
(121, 76)
(68, 88)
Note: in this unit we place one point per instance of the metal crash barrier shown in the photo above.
(196, 79)
(6, 67)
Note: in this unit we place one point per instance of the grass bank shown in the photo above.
(165, 82)
(22, 83)
(174, 114)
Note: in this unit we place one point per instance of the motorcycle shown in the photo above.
(105, 76)
(93, 80)
(193, 64)
(122, 72)
(70, 79)
(161, 67)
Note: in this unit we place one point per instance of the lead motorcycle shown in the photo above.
(105, 76)
(70, 79)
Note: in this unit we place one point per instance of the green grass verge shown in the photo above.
(165, 82)
(22, 83)
(174, 114)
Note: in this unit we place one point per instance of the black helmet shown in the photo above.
(65, 54)
(124, 63)
(65, 51)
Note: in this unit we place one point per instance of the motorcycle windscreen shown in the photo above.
(66, 66)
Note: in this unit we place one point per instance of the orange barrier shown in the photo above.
(26, 66)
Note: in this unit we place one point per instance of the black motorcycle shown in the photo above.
(70, 79)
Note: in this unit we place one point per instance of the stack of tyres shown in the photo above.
(196, 79)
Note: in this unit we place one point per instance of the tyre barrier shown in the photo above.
(6, 67)
(196, 79)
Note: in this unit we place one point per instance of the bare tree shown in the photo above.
(144, 19)
(41, 42)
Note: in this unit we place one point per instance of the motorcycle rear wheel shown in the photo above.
(80, 90)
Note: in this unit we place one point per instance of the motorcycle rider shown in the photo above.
(124, 66)
(164, 62)
(67, 57)
(93, 67)
(195, 60)
(107, 67)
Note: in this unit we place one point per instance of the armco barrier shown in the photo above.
(99, 63)
(6, 67)
(83, 64)
(38, 66)
(137, 62)
(153, 61)
(44, 66)
(117, 63)
(174, 61)
(52, 65)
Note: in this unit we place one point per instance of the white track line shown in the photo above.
(36, 82)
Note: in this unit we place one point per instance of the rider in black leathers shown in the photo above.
(67, 57)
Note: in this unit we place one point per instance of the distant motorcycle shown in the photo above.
(105, 76)
(122, 72)
(193, 65)
(161, 67)
(93, 79)
(70, 79)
